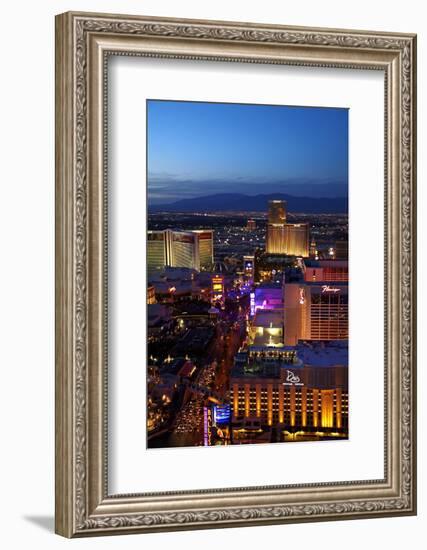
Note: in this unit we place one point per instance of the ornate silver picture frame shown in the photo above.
(84, 42)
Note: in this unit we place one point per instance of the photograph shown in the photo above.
(247, 274)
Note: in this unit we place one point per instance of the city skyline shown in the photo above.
(247, 294)
(199, 148)
(251, 348)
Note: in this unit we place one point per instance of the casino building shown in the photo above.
(316, 308)
(205, 247)
(301, 392)
(315, 312)
(190, 249)
(285, 238)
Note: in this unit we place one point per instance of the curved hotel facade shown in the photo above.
(191, 249)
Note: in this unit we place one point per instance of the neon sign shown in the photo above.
(327, 288)
(206, 426)
(252, 303)
(217, 287)
(221, 414)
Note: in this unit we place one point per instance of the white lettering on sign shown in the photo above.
(252, 303)
(292, 379)
(327, 288)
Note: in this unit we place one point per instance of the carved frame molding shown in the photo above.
(83, 44)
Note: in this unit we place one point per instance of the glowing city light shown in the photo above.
(327, 288)
(252, 303)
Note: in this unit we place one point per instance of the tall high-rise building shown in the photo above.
(316, 311)
(183, 250)
(191, 249)
(276, 227)
(277, 212)
(296, 239)
(205, 244)
(275, 238)
(291, 239)
(157, 249)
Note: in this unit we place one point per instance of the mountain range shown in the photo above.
(256, 203)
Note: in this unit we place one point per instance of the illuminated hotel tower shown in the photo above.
(156, 249)
(277, 388)
(316, 311)
(285, 238)
(276, 226)
(183, 250)
(317, 308)
(205, 245)
(296, 238)
(277, 212)
(191, 249)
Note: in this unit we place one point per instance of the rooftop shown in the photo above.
(264, 362)
(268, 285)
(323, 354)
(326, 263)
(268, 318)
(157, 314)
(172, 274)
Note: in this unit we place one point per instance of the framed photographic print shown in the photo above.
(235, 274)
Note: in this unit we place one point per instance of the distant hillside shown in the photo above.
(258, 203)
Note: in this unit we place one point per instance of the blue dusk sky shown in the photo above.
(197, 149)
